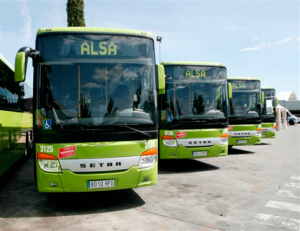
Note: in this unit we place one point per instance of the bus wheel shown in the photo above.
(27, 145)
(291, 122)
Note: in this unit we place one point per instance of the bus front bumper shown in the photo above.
(244, 140)
(269, 134)
(182, 152)
(68, 181)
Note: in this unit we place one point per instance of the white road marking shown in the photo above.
(283, 205)
(292, 184)
(282, 222)
(286, 193)
(295, 177)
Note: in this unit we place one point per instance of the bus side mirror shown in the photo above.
(21, 64)
(276, 100)
(229, 90)
(262, 97)
(161, 79)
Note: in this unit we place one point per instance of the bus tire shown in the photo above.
(27, 145)
(291, 122)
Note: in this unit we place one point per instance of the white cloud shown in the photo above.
(255, 48)
(27, 28)
(256, 38)
(264, 44)
(284, 40)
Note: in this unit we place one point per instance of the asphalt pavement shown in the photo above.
(253, 188)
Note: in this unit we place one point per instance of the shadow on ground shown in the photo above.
(236, 151)
(183, 166)
(19, 198)
(265, 144)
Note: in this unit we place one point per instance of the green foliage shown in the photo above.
(75, 12)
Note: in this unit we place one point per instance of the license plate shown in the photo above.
(242, 141)
(200, 153)
(101, 184)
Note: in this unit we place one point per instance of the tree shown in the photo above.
(75, 11)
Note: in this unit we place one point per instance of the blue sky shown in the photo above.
(253, 38)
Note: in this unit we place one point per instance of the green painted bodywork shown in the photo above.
(268, 134)
(243, 78)
(250, 140)
(68, 181)
(182, 152)
(95, 30)
(187, 63)
(13, 128)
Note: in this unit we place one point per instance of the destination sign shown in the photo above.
(194, 73)
(245, 84)
(98, 48)
(75, 46)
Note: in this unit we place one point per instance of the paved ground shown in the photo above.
(254, 188)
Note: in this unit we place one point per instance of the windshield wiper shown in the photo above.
(136, 130)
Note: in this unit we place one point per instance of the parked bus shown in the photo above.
(95, 108)
(193, 111)
(245, 111)
(15, 118)
(269, 113)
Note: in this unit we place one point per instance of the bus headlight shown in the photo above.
(274, 127)
(48, 163)
(169, 141)
(224, 139)
(148, 158)
(258, 131)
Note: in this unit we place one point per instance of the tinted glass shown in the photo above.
(246, 98)
(194, 92)
(90, 92)
(268, 107)
(13, 96)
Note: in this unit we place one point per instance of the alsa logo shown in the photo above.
(101, 165)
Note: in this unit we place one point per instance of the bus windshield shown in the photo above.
(245, 102)
(87, 81)
(194, 93)
(268, 107)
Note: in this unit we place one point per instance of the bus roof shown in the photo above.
(6, 63)
(94, 30)
(243, 78)
(193, 63)
(271, 88)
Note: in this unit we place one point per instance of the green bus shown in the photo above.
(269, 113)
(245, 111)
(95, 108)
(15, 118)
(193, 111)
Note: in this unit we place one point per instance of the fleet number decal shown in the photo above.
(48, 148)
(149, 144)
(169, 133)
